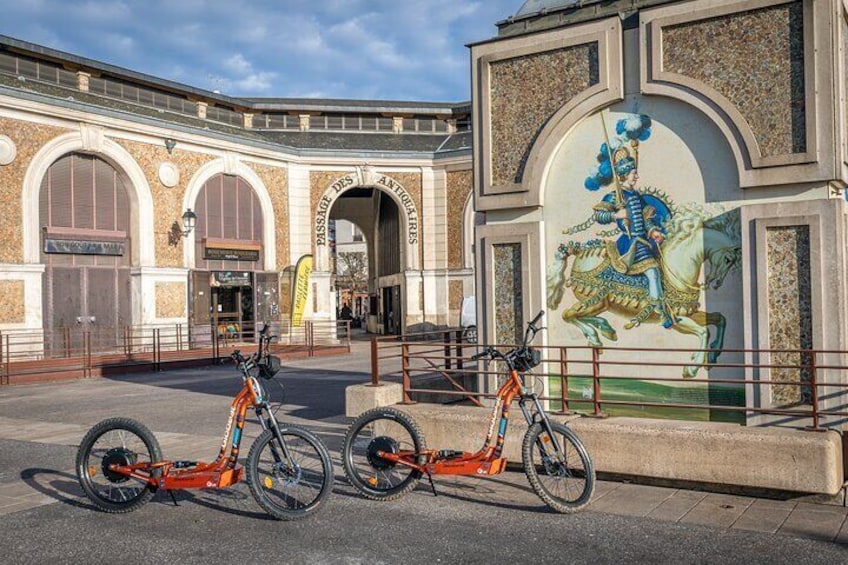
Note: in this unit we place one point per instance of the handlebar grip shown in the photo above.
(537, 318)
(485, 353)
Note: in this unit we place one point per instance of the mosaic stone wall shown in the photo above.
(276, 180)
(790, 322)
(12, 302)
(508, 293)
(319, 181)
(459, 186)
(170, 300)
(756, 60)
(455, 296)
(167, 202)
(525, 92)
(29, 138)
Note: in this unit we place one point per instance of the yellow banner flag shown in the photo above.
(300, 289)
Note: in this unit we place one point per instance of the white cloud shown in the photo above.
(370, 49)
(238, 64)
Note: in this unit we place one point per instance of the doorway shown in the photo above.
(79, 300)
(391, 310)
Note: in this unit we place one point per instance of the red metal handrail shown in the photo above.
(428, 356)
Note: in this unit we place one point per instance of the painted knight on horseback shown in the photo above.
(640, 218)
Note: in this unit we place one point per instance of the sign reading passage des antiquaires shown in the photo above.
(407, 203)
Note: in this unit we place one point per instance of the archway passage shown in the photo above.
(84, 212)
(379, 218)
(229, 288)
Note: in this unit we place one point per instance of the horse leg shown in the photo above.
(687, 325)
(602, 326)
(577, 315)
(719, 322)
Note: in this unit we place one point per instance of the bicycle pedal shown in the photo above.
(448, 454)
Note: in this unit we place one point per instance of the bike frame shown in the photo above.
(487, 460)
(225, 470)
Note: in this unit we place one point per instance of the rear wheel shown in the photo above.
(559, 468)
(116, 441)
(381, 430)
(289, 483)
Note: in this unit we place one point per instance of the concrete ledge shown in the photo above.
(359, 398)
(704, 452)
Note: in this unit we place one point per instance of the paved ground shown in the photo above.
(44, 517)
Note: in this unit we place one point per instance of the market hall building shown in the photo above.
(103, 169)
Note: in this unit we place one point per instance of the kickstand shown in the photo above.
(432, 484)
(174, 498)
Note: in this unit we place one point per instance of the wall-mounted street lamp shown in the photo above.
(177, 233)
(170, 143)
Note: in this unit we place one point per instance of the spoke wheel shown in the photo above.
(117, 441)
(377, 431)
(559, 468)
(293, 487)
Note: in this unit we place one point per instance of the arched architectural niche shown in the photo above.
(229, 166)
(90, 140)
(557, 131)
(366, 178)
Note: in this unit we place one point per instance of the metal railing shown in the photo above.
(798, 388)
(32, 355)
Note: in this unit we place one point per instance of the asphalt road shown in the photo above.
(471, 521)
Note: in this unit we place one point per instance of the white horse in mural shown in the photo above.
(693, 241)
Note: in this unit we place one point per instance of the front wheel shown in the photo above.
(289, 478)
(117, 441)
(381, 430)
(559, 468)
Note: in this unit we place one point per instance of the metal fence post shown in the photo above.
(815, 389)
(563, 371)
(375, 363)
(596, 381)
(404, 359)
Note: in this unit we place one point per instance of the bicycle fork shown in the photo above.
(270, 423)
(558, 456)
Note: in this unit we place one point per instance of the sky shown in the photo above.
(409, 50)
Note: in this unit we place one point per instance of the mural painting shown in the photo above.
(641, 261)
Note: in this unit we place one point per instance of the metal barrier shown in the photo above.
(32, 355)
(805, 388)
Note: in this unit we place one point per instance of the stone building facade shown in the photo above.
(647, 161)
(99, 164)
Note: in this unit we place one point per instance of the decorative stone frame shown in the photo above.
(529, 236)
(754, 169)
(90, 140)
(609, 89)
(827, 221)
(230, 164)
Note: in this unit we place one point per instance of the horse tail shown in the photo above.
(556, 280)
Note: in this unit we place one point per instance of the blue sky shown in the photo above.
(360, 49)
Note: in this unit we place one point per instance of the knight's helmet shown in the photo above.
(626, 158)
(620, 154)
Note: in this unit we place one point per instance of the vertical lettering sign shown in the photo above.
(323, 208)
(300, 289)
(408, 207)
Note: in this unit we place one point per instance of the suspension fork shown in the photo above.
(543, 419)
(269, 422)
